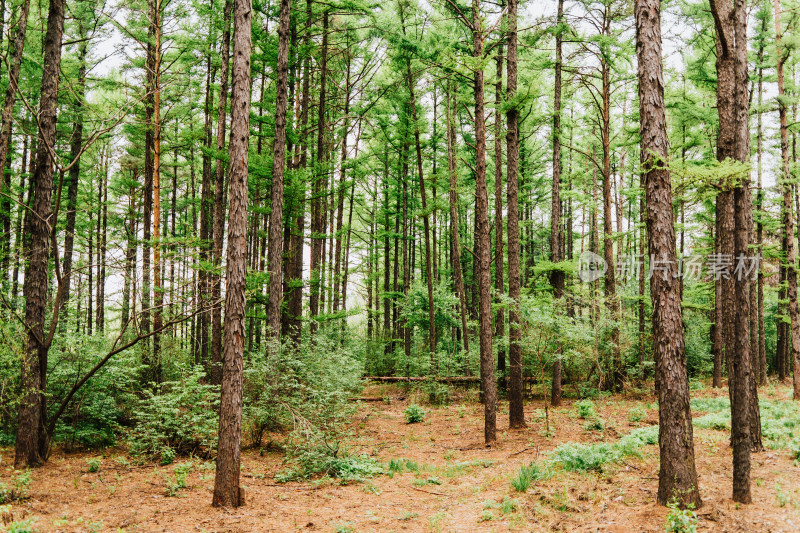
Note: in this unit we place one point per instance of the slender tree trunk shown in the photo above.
(319, 175)
(556, 246)
(677, 477)
(516, 410)
(220, 204)
(16, 45)
(788, 219)
(482, 237)
(276, 215)
(500, 321)
(458, 278)
(227, 492)
(76, 142)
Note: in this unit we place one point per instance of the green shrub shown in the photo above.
(595, 424)
(437, 393)
(181, 419)
(586, 409)
(637, 414)
(414, 414)
(93, 464)
(19, 491)
(680, 520)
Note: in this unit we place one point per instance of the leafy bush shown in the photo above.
(414, 414)
(180, 419)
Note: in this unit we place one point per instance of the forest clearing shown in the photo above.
(434, 476)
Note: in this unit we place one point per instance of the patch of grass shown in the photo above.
(584, 457)
(595, 424)
(407, 515)
(526, 475)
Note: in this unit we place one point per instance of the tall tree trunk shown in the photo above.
(677, 477)
(319, 175)
(734, 232)
(556, 246)
(515, 407)
(788, 219)
(76, 143)
(158, 289)
(32, 442)
(482, 237)
(276, 215)
(458, 277)
(499, 283)
(227, 492)
(220, 204)
(16, 45)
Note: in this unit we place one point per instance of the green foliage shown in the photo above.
(637, 414)
(19, 491)
(414, 414)
(180, 419)
(294, 389)
(93, 464)
(178, 481)
(436, 393)
(586, 409)
(22, 526)
(680, 520)
(584, 457)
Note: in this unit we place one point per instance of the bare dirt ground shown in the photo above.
(459, 486)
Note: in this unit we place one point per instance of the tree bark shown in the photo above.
(276, 215)
(482, 238)
(32, 441)
(227, 492)
(515, 407)
(219, 204)
(677, 475)
(556, 246)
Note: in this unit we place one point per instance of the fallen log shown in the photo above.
(438, 379)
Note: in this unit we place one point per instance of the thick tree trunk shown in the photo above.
(227, 492)
(32, 441)
(677, 477)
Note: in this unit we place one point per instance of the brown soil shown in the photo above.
(459, 486)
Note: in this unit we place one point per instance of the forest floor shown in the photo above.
(454, 484)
